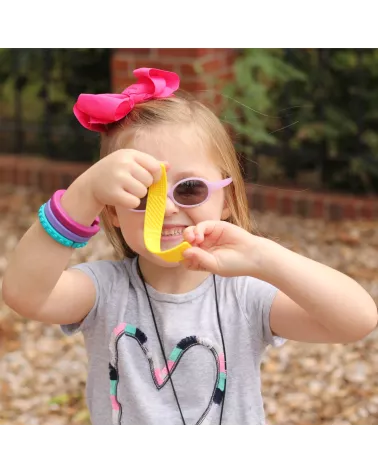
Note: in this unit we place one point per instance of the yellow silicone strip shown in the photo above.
(154, 219)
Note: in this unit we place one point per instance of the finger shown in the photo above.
(199, 235)
(127, 200)
(207, 227)
(200, 259)
(133, 186)
(189, 234)
(208, 233)
(149, 163)
(142, 175)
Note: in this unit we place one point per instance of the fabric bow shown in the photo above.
(95, 111)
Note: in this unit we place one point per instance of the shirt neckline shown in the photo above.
(167, 297)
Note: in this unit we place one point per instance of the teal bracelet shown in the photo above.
(54, 234)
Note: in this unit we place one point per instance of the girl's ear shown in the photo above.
(113, 216)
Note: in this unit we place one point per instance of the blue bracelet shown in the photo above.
(54, 234)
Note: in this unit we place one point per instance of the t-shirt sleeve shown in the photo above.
(256, 299)
(104, 277)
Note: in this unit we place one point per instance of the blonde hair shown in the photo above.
(180, 109)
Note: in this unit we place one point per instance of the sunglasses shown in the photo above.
(190, 192)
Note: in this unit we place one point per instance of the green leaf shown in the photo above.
(60, 399)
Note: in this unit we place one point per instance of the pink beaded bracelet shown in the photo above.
(68, 222)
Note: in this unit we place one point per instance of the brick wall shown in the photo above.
(48, 176)
(38, 172)
(214, 65)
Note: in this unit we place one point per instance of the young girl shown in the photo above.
(173, 343)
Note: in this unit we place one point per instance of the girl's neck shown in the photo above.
(170, 279)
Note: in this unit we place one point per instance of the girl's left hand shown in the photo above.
(220, 248)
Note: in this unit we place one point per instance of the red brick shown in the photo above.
(48, 176)
(258, 202)
(249, 193)
(218, 107)
(155, 64)
(124, 74)
(119, 84)
(193, 86)
(271, 201)
(358, 206)
(35, 178)
(183, 52)
(28, 176)
(7, 160)
(229, 56)
(187, 70)
(139, 51)
(20, 176)
(214, 65)
(318, 208)
(118, 64)
(66, 180)
(9, 174)
(367, 210)
(350, 210)
(45, 181)
(7, 169)
(303, 207)
(287, 205)
(226, 76)
(57, 179)
(336, 210)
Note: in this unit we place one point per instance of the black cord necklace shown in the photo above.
(162, 348)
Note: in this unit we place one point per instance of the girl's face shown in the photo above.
(181, 147)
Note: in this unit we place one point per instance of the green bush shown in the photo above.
(309, 109)
(38, 88)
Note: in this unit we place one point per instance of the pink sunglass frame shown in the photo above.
(212, 187)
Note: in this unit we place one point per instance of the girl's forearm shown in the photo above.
(38, 261)
(333, 298)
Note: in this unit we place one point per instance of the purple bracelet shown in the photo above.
(68, 222)
(57, 225)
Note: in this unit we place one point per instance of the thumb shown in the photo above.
(197, 259)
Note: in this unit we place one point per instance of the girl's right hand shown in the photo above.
(123, 177)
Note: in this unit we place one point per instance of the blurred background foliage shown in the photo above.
(316, 114)
(300, 117)
(38, 88)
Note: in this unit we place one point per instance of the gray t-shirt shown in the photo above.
(127, 378)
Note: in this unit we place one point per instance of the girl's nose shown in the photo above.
(170, 207)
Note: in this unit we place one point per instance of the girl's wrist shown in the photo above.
(264, 255)
(79, 202)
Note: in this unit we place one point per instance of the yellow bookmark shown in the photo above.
(154, 218)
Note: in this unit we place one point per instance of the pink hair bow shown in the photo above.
(94, 112)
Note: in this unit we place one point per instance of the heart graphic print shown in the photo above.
(193, 359)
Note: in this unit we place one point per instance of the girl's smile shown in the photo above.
(171, 232)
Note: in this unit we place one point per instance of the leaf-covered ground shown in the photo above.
(43, 372)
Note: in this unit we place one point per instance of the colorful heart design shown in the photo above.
(160, 376)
